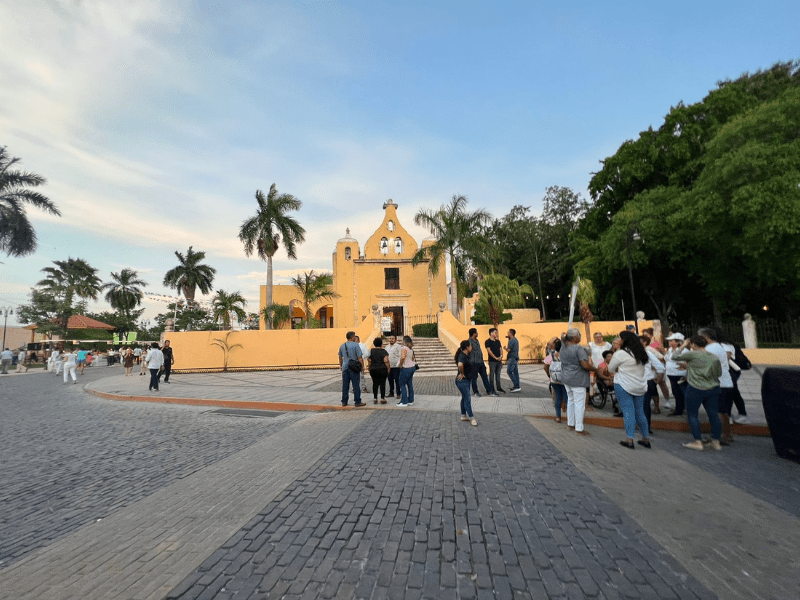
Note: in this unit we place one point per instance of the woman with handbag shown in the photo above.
(408, 367)
(552, 368)
(378, 364)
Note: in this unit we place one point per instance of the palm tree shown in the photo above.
(224, 304)
(124, 292)
(69, 279)
(585, 296)
(190, 275)
(276, 315)
(498, 292)
(271, 226)
(17, 237)
(457, 237)
(312, 287)
(226, 348)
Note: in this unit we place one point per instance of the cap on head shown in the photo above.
(676, 336)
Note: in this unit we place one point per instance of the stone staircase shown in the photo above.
(432, 355)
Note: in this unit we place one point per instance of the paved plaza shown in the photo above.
(133, 500)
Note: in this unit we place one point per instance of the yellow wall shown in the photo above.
(532, 336)
(195, 350)
(288, 294)
(774, 356)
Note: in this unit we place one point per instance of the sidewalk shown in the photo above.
(321, 390)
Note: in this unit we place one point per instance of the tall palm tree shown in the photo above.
(69, 279)
(225, 304)
(312, 287)
(190, 275)
(17, 237)
(458, 238)
(124, 291)
(271, 227)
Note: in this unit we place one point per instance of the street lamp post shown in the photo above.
(631, 236)
(5, 312)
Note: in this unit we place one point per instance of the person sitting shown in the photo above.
(605, 382)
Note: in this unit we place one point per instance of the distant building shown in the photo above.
(380, 274)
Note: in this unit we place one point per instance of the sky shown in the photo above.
(155, 122)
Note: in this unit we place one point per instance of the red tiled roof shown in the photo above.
(83, 322)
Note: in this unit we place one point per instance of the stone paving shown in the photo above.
(102, 499)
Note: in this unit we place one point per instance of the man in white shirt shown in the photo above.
(394, 350)
(6, 357)
(23, 354)
(154, 361)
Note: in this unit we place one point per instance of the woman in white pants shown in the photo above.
(575, 368)
(70, 362)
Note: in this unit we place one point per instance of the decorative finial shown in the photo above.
(347, 231)
(389, 202)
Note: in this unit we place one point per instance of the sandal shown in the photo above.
(474, 422)
(627, 444)
(558, 419)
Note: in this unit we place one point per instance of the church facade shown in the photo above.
(378, 275)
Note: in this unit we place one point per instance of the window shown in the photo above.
(398, 245)
(347, 254)
(392, 279)
(390, 225)
(384, 246)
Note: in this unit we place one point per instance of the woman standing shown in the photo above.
(675, 373)
(407, 368)
(127, 362)
(552, 367)
(630, 385)
(70, 360)
(463, 379)
(702, 374)
(378, 365)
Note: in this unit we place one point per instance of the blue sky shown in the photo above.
(155, 122)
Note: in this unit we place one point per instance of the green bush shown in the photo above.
(426, 330)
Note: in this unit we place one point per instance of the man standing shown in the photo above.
(575, 369)
(154, 360)
(394, 350)
(169, 360)
(512, 360)
(364, 354)
(347, 352)
(478, 366)
(495, 351)
(7, 357)
(23, 354)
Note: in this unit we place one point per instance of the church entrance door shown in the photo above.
(396, 313)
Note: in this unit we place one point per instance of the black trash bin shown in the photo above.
(780, 395)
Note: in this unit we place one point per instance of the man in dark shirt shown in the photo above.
(478, 366)
(169, 360)
(494, 348)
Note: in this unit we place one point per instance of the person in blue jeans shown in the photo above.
(408, 366)
(552, 368)
(348, 351)
(463, 380)
(702, 374)
(512, 360)
(630, 385)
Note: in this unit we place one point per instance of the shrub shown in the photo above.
(426, 330)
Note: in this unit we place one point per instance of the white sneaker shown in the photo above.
(514, 390)
(741, 419)
(401, 404)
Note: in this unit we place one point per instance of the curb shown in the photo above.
(610, 422)
(662, 425)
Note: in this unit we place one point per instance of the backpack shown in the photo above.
(740, 359)
(555, 371)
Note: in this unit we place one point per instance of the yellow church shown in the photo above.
(378, 277)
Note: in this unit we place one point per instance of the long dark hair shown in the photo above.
(464, 345)
(631, 343)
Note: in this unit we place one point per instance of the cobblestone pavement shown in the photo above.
(102, 499)
(68, 459)
(426, 506)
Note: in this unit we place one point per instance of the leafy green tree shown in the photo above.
(194, 318)
(122, 322)
(497, 293)
(64, 284)
(225, 304)
(269, 228)
(190, 275)
(17, 236)
(459, 238)
(124, 291)
(312, 287)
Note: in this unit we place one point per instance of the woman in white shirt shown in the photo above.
(597, 347)
(408, 367)
(630, 386)
(70, 362)
(675, 374)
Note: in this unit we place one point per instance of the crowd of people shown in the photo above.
(154, 359)
(397, 363)
(699, 371)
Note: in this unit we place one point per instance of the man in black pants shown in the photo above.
(494, 348)
(168, 360)
(478, 366)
